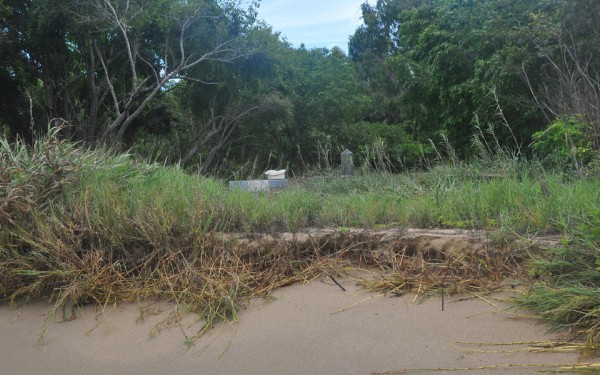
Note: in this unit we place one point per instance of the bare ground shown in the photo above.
(379, 242)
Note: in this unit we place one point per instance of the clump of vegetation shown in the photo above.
(83, 226)
(567, 142)
(426, 274)
(567, 294)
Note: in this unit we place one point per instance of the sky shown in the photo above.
(316, 23)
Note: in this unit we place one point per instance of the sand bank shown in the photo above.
(308, 329)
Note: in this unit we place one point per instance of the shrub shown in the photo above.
(565, 143)
(372, 142)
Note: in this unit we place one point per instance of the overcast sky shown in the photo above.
(316, 23)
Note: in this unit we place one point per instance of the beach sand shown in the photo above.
(314, 328)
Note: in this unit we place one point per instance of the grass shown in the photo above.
(80, 226)
(515, 203)
(567, 295)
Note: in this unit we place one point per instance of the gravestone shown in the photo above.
(347, 163)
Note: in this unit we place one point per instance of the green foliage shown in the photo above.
(326, 94)
(381, 146)
(418, 71)
(313, 94)
(566, 142)
(15, 77)
(114, 189)
(449, 65)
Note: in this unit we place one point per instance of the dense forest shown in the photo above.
(208, 85)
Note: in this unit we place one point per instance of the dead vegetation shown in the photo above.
(217, 274)
(407, 260)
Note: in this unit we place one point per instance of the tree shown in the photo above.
(240, 107)
(568, 85)
(372, 46)
(455, 65)
(15, 77)
(104, 61)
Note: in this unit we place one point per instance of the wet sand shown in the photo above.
(307, 329)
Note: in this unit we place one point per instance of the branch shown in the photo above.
(528, 82)
(127, 44)
(186, 78)
(212, 56)
(151, 68)
(108, 81)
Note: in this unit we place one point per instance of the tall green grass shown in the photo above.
(522, 200)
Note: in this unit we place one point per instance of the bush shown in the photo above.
(565, 143)
(374, 142)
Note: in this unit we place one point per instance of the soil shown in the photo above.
(380, 243)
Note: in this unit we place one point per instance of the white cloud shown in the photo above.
(290, 13)
(316, 23)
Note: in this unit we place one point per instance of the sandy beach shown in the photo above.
(306, 329)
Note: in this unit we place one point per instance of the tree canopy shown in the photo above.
(208, 85)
